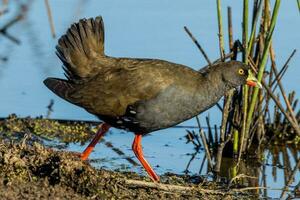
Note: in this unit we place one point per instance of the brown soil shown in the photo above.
(29, 170)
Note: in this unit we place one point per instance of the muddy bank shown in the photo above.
(29, 170)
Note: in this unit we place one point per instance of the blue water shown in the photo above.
(144, 29)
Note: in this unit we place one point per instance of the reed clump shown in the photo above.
(252, 117)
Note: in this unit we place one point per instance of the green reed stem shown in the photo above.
(220, 26)
(245, 87)
(235, 142)
(222, 54)
(245, 30)
(253, 28)
(263, 62)
(229, 95)
(298, 2)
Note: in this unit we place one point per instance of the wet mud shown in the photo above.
(30, 170)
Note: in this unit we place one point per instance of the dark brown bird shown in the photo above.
(138, 95)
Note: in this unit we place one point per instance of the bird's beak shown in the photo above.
(252, 81)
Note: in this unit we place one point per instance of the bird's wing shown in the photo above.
(114, 89)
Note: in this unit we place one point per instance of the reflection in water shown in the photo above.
(275, 174)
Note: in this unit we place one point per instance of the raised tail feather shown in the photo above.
(81, 47)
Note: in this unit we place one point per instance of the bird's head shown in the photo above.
(235, 73)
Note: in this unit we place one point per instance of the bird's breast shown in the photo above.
(172, 106)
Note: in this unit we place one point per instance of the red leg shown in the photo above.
(101, 131)
(138, 151)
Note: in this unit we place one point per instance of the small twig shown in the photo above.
(290, 109)
(277, 102)
(198, 45)
(50, 18)
(169, 187)
(210, 136)
(279, 76)
(248, 188)
(3, 30)
(50, 108)
(190, 138)
(283, 69)
(179, 188)
(206, 148)
(202, 164)
(190, 161)
(239, 176)
(160, 186)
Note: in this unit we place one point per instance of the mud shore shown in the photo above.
(30, 170)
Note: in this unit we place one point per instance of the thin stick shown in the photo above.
(198, 45)
(210, 136)
(206, 149)
(179, 188)
(227, 102)
(284, 68)
(3, 30)
(248, 188)
(203, 138)
(277, 102)
(190, 161)
(170, 188)
(50, 18)
(280, 75)
(240, 176)
(229, 55)
(289, 107)
(230, 31)
(202, 164)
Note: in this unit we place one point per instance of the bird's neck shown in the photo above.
(216, 81)
(210, 90)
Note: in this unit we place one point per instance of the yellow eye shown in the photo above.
(241, 72)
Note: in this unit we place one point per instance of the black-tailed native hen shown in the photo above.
(138, 95)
